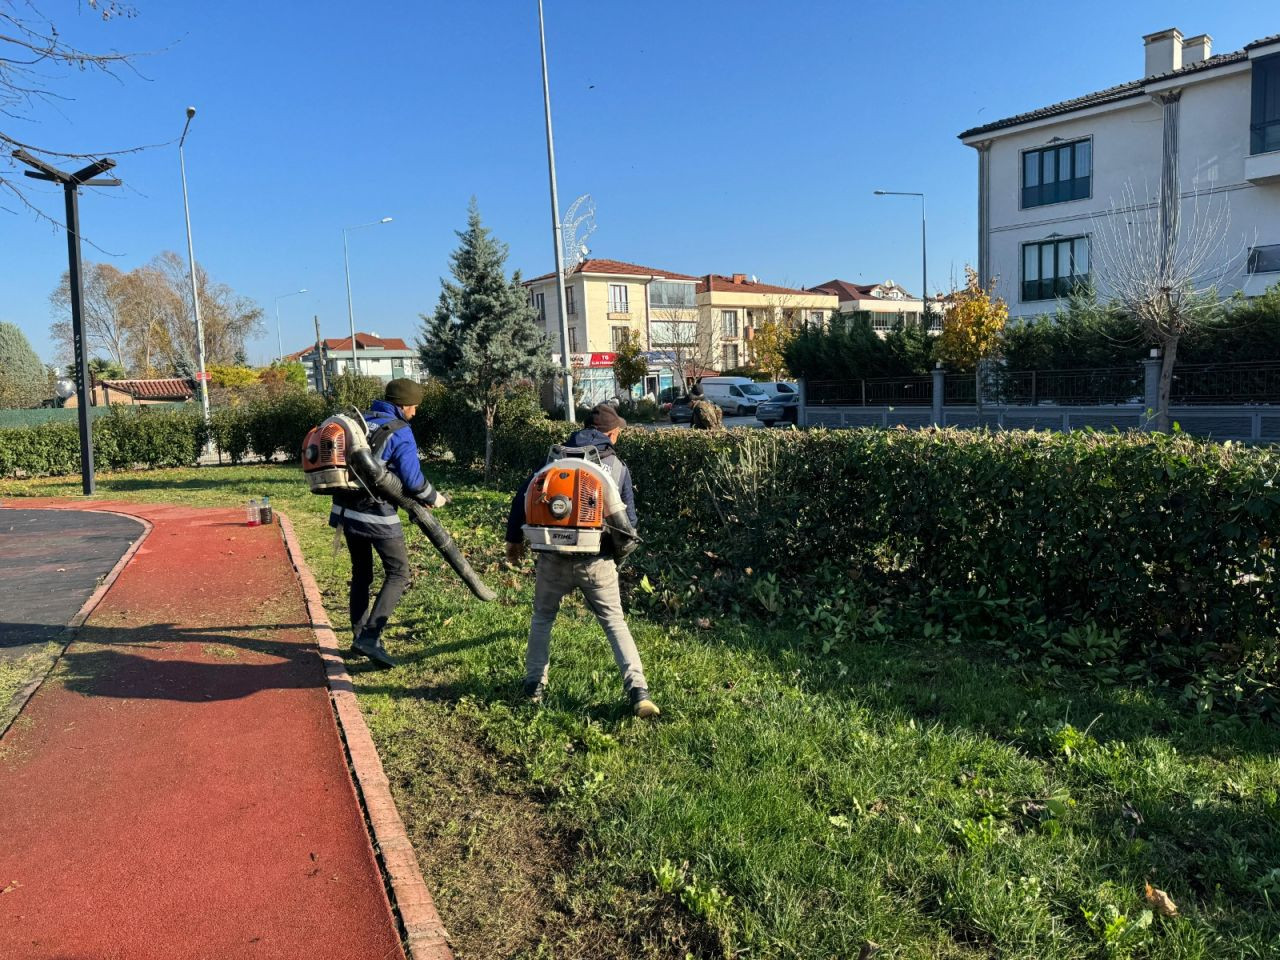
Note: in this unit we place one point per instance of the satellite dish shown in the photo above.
(754, 279)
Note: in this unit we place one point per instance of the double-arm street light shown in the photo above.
(346, 262)
(202, 378)
(279, 339)
(924, 243)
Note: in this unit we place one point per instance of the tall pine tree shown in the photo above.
(24, 381)
(484, 335)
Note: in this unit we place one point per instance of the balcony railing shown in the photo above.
(619, 306)
(1264, 137)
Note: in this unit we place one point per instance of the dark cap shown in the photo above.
(604, 418)
(404, 392)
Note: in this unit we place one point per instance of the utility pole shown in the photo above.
(71, 184)
(566, 366)
(321, 380)
(202, 375)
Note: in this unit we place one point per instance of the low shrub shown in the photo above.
(123, 437)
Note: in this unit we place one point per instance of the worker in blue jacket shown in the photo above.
(370, 525)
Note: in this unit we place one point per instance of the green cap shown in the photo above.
(404, 392)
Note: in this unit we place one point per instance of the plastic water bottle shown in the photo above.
(265, 510)
(253, 514)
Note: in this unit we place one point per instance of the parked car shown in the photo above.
(736, 396)
(681, 410)
(780, 388)
(784, 407)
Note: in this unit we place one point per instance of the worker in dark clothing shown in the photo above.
(596, 576)
(370, 525)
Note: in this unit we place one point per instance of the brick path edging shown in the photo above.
(28, 690)
(425, 935)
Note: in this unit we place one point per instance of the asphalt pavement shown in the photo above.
(51, 561)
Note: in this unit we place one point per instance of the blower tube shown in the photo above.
(385, 484)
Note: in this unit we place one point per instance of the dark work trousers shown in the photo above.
(395, 564)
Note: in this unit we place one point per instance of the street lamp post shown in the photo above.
(279, 338)
(566, 368)
(924, 244)
(90, 176)
(202, 378)
(346, 263)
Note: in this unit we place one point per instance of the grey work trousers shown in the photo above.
(597, 578)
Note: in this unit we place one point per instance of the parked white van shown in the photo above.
(736, 396)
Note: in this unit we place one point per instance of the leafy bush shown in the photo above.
(1133, 557)
(123, 438)
(851, 350)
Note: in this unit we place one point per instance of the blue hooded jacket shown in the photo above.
(586, 437)
(366, 516)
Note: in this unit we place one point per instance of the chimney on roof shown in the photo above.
(739, 278)
(1164, 51)
(1197, 49)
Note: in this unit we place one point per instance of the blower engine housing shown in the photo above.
(572, 505)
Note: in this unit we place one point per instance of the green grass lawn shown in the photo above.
(788, 803)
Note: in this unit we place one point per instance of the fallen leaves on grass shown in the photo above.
(1161, 901)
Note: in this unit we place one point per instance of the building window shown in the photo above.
(729, 354)
(1264, 130)
(672, 293)
(397, 369)
(620, 335)
(1053, 268)
(883, 321)
(618, 298)
(1057, 174)
(729, 323)
(815, 317)
(573, 340)
(569, 306)
(540, 304)
(1265, 259)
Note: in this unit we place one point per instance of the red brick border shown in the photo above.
(19, 700)
(425, 935)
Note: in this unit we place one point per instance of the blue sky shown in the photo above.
(715, 136)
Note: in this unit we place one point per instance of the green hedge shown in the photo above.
(123, 437)
(1142, 557)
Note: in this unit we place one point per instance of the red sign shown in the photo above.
(202, 375)
(588, 359)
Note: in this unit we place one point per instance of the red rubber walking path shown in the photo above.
(178, 787)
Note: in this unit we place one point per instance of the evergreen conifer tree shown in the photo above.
(24, 381)
(484, 336)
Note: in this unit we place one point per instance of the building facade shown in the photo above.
(731, 308)
(1197, 138)
(885, 306)
(385, 358)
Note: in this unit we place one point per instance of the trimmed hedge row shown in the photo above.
(122, 438)
(1141, 556)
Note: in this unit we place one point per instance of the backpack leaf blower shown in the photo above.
(573, 503)
(337, 457)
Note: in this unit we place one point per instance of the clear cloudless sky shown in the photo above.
(715, 136)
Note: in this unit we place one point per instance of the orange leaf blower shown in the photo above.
(573, 503)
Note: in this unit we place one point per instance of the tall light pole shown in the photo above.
(566, 368)
(346, 262)
(279, 338)
(202, 378)
(924, 245)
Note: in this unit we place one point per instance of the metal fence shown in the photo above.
(897, 391)
(1226, 383)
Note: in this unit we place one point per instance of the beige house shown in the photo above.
(730, 308)
(883, 305)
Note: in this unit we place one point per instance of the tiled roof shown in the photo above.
(853, 291)
(617, 267)
(363, 342)
(1123, 91)
(166, 388)
(718, 283)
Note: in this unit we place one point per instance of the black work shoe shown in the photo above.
(641, 705)
(533, 690)
(372, 648)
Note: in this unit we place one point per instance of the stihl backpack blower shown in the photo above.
(341, 456)
(573, 504)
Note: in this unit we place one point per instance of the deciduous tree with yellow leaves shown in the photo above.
(972, 328)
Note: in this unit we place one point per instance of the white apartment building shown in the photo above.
(1198, 130)
(386, 358)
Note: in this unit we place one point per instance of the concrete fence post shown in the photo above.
(939, 394)
(1150, 389)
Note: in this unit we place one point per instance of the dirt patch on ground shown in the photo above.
(507, 882)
